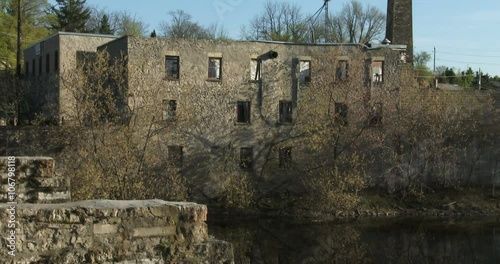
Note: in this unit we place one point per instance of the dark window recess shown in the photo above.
(33, 67)
(305, 71)
(286, 112)
(341, 112)
(215, 68)
(40, 66)
(243, 112)
(56, 60)
(47, 63)
(26, 69)
(285, 157)
(172, 66)
(175, 156)
(342, 72)
(246, 158)
(376, 115)
(169, 110)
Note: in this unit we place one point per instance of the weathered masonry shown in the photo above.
(104, 231)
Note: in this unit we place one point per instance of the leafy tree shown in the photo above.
(105, 28)
(33, 21)
(466, 78)
(128, 24)
(422, 71)
(70, 16)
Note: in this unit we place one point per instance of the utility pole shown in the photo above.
(19, 32)
(434, 70)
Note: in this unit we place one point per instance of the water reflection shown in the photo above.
(361, 241)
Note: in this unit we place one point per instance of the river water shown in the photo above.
(372, 240)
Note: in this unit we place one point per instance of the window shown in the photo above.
(376, 115)
(175, 156)
(341, 112)
(169, 110)
(254, 70)
(342, 70)
(285, 112)
(246, 158)
(377, 71)
(56, 60)
(285, 157)
(305, 71)
(40, 66)
(27, 69)
(47, 63)
(243, 112)
(172, 67)
(33, 67)
(215, 68)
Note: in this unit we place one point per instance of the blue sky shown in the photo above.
(465, 33)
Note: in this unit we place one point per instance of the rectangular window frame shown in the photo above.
(378, 76)
(172, 71)
(243, 112)
(342, 70)
(246, 158)
(285, 112)
(305, 74)
(176, 156)
(169, 112)
(33, 68)
(27, 69)
(214, 72)
(285, 157)
(341, 113)
(40, 65)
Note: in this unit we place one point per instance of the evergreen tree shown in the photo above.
(153, 34)
(70, 16)
(105, 28)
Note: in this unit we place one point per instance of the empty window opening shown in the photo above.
(172, 67)
(169, 110)
(286, 112)
(255, 70)
(378, 71)
(47, 63)
(285, 157)
(214, 68)
(243, 112)
(26, 69)
(246, 158)
(33, 67)
(341, 112)
(342, 70)
(40, 66)
(305, 71)
(175, 156)
(376, 115)
(56, 60)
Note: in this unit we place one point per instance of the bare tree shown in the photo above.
(181, 25)
(279, 21)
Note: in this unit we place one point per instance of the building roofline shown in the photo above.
(303, 44)
(72, 34)
(118, 38)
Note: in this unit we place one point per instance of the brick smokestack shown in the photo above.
(400, 25)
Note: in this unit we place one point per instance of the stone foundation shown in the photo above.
(35, 181)
(104, 231)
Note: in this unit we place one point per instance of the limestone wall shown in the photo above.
(34, 181)
(103, 231)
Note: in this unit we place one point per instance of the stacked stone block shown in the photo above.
(36, 181)
(104, 231)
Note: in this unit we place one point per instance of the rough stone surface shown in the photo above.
(104, 231)
(35, 181)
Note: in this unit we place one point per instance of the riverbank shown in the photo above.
(445, 203)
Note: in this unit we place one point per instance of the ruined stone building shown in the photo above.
(211, 96)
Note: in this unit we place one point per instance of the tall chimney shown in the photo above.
(400, 25)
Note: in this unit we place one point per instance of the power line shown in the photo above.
(469, 55)
(465, 62)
